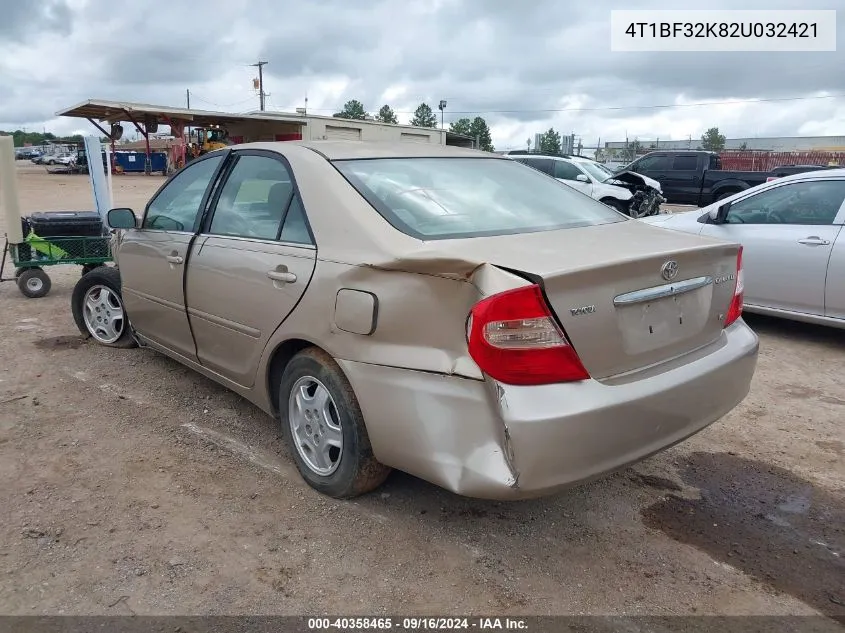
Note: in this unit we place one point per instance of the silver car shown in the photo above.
(447, 312)
(794, 247)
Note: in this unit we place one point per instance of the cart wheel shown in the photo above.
(18, 272)
(98, 310)
(34, 283)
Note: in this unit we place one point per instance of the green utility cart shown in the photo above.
(53, 238)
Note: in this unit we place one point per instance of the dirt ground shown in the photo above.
(133, 486)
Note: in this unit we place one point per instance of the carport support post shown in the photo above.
(109, 159)
(148, 161)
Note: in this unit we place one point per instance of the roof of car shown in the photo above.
(821, 174)
(547, 156)
(344, 150)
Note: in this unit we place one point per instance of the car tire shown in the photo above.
(341, 472)
(104, 319)
(34, 283)
(87, 268)
(725, 194)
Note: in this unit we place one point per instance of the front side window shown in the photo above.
(566, 171)
(443, 198)
(813, 203)
(596, 170)
(652, 163)
(253, 199)
(176, 206)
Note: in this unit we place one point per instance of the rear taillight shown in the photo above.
(735, 311)
(771, 178)
(514, 339)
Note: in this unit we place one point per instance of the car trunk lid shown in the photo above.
(606, 285)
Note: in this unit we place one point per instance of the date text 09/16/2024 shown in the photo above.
(415, 624)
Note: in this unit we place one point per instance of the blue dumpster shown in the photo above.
(134, 161)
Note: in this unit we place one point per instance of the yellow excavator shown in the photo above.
(207, 140)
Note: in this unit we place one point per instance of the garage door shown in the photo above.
(416, 138)
(336, 132)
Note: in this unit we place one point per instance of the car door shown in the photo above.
(250, 265)
(568, 173)
(655, 166)
(834, 291)
(682, 178)
(787, 232)
(152, 258)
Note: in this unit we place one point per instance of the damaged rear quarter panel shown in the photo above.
(428, 409)
(422, 307)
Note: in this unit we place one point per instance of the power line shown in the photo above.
(616, 108)
(220, 105)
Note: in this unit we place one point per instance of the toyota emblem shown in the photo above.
(669, 270)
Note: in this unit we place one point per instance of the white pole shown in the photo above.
(108, 173)
(94, 150)
(9, 190)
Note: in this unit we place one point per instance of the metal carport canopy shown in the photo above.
(117, 111)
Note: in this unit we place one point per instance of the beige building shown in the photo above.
(254, 126)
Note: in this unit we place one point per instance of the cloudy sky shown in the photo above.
(525, 65)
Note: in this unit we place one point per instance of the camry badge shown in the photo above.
(582, 310)
(669, 270)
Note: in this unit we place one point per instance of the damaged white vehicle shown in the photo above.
(628, 192)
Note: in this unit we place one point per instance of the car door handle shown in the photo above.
(282, 276)
(814, 240)
(174, 259)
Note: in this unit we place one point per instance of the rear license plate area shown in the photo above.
(655, 324)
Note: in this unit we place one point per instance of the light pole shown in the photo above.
(442, 106)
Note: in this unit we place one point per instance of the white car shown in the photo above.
(793, 243)
(628, 192)
(58, 159)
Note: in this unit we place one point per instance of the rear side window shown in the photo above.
(546, 165)
(253, 200)
(652, 163)
(685, 163)
(443, 198)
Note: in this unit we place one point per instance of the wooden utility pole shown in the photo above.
(261, 93)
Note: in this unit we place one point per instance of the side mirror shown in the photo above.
(582, 178)
(719, 214)
(122, 218)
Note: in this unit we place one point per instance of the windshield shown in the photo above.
(597, 171)
(442, 198)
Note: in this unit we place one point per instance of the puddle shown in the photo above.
(764, 521)
(60, 342)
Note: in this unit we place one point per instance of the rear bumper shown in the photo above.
(482, 439)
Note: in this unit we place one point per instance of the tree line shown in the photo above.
(21, 138)
(424, 116)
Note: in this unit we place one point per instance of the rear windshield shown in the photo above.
(443, 198)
